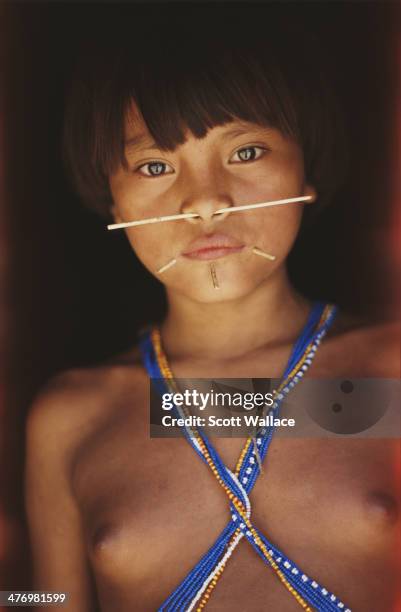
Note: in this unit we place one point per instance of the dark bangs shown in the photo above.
(216, 85)
(181, 79)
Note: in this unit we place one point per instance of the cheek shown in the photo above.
(280, 177)
(277, 230)
(284, 176)
(157, 244)
(138, 197)
(148, 244)
(129, 202)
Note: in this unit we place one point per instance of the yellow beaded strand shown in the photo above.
(215, 578)
(167, 374)
(295, 369)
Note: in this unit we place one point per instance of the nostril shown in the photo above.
(207, 209)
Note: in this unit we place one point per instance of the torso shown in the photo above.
(151, 508)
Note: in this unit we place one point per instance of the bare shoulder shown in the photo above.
(63, 418)
(75, 402)
(366, 348)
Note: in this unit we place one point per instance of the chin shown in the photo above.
(235, 281)
(228, 290)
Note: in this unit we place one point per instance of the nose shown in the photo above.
(205, 204)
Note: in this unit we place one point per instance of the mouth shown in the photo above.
(213, 247)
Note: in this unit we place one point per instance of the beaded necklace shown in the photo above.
(195, 590)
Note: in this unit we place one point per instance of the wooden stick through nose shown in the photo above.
(232, 209)
(152, 220)
(229, 209)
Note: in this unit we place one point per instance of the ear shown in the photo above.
(310, 191)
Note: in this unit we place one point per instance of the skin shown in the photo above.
(118, 519)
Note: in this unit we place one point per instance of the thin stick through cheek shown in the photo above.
(167, 266)
(263, 254)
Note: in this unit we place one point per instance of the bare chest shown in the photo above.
(152, 509)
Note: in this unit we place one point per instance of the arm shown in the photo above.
(54, 521)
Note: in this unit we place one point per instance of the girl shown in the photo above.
(235, 113)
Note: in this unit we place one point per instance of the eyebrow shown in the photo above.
(142, 142)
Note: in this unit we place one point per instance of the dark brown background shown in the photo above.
(75, 293)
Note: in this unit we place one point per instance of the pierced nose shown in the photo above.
(218, 213)
(206, 210)
(224, 212)
(209, 216)
(195, 218)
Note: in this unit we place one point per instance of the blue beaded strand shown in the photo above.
(309, 589)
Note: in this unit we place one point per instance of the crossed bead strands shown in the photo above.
(196, 588)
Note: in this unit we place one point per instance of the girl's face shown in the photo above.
(234, 164)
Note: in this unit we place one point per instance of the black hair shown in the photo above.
(208, 66)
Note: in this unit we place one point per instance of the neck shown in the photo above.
(273, 313)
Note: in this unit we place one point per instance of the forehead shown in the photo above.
(137, 134)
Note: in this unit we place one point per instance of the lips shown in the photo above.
(213, 247)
